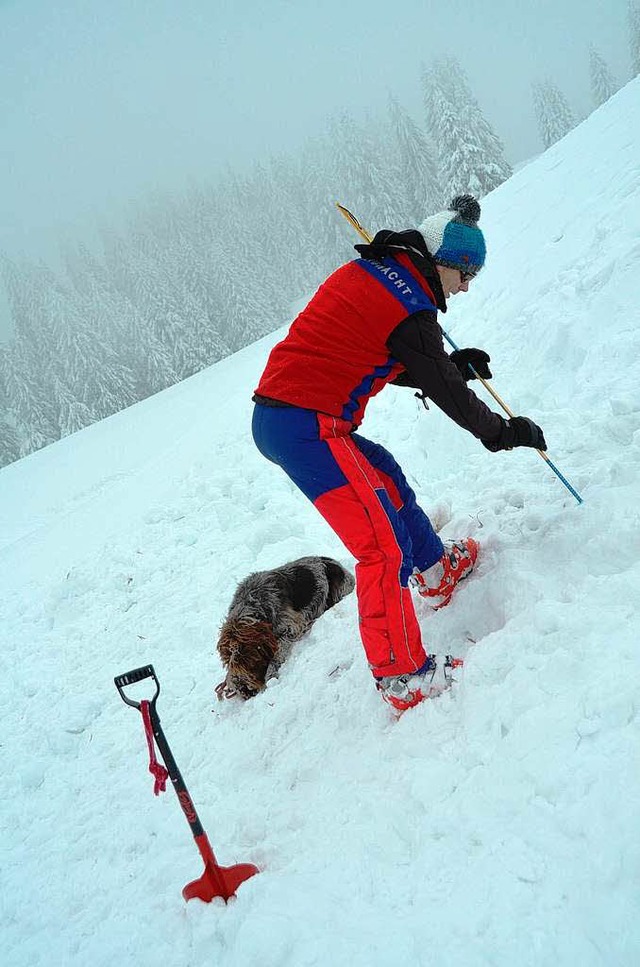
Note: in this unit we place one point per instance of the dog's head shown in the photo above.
(247, 647)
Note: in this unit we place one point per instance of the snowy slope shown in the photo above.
(496, 825)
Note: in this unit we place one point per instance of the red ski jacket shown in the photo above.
(335, 357)
(373, 320)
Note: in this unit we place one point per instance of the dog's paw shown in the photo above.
(224, 690)
(235, 689)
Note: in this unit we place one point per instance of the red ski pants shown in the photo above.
(362, 494)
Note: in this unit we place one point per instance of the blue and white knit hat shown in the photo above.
(453, 237)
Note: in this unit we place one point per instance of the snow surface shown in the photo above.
(495, 825)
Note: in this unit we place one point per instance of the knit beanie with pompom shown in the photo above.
(453, 237)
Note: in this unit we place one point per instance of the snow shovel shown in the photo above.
(216, 880)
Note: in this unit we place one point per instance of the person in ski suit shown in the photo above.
(372, 322)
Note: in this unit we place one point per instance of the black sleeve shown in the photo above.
(417, 344)
(404, 379)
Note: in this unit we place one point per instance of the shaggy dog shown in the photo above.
(269, 611)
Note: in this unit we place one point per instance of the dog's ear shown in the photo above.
(341, 581)
(226, 643)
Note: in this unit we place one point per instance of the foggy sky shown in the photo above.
(103, 102)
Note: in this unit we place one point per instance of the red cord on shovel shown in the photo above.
(216, 880)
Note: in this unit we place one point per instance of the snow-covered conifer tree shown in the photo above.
(289, 229)
(114, 320)
(367, 177)
(602, 82)
(255, 218)
(9, 442)
(64, 375)
(418, 169)
(379, 170)
(553, 113)
(81, 361)
(9, 429)
(144, 274)
(327, 244)
(352, 178)
(28, 371)
(30, 393)
(471, 157)
(149, 359)
(72, 413)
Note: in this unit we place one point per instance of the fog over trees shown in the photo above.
(195, 277)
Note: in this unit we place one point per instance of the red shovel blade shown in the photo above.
(216, 880)
(219, 881)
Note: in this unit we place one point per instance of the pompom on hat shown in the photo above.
(453, 237)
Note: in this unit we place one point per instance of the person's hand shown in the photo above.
(519, 431)
(474, 357)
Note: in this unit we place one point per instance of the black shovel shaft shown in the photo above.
(175, 775)
(132, 678)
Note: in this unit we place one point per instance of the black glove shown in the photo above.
(476, 357)
(519, 431)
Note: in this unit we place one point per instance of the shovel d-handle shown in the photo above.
(131, 678)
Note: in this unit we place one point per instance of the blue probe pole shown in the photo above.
(507, 410)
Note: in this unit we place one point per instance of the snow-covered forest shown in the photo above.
(194, 277)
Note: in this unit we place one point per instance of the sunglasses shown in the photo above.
(466, 276)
